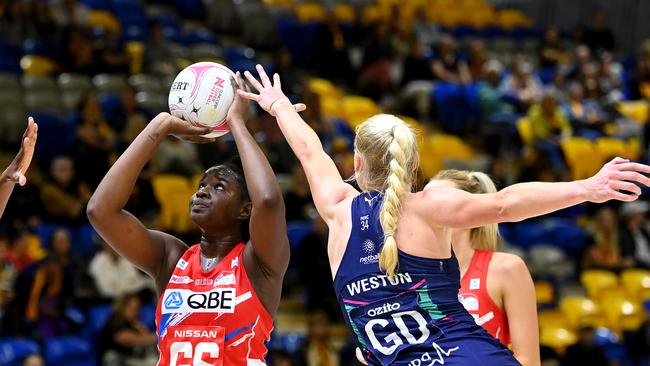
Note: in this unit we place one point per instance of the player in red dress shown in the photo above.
(15, 172)
(217, 298)
(495, 288)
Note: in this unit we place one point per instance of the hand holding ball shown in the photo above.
(202, 94)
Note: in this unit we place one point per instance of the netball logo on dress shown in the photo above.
(369, 247)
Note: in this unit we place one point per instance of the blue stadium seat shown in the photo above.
(52, 131)
(97, 4)
(546, 75)
(297, 231)
(34, 47)
(84, 240)
(298, 38)
(98, 315)
(200, 36)
(172, 34)
(69, 351)
(291, 342)
(14, 350)
(190, 8)
(608, 341)
(148, 316)
(491, 31)
(167, 21)
(134, 33)
(44, 232)
(109, 103)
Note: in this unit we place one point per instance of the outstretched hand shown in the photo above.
(15, 172)
(615, 177)
(269, 93)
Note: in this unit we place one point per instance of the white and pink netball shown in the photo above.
(202, 94)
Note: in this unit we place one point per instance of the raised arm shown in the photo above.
(327, 186)
(15, 172)
(268, 228)
(149, 250)
(454, 208)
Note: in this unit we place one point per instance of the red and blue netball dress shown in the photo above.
(211, 318)
(415, 318)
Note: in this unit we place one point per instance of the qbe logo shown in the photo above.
(219, 300)
(174, 300)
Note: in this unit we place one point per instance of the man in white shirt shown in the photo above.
(114, 276)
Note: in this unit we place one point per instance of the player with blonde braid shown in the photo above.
(402, 305)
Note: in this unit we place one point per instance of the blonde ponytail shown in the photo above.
(398, 182)
(484, 237)
(385, 140)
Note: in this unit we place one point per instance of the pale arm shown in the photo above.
(454, 208)
(520, 307)
(325, 181)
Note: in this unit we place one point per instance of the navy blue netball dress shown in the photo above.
(415, 318)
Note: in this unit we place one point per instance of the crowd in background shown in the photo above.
(565, 83)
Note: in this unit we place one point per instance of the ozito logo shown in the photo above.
(214, 300)
(174, 300)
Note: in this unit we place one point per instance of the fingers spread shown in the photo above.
(627, 186)
(634, 167)
(299, 107)
(247, 95)
(251, 79)
(263, 77)
(633, 176)
(276, 81)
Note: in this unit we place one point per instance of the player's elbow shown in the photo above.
(271, 199)
(94, 210)
(503, 204)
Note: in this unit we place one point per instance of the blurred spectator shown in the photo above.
(489, 93)
(586, 116)
(610, 78)
(447, 65)
(315, 271)
(558, 86)
(74, 271)
(69, 12)
(174, 156)
(125, 340)
(7, 275)
(639, 82)
(128, 108)
(520, 85)
(600, 37)
(551, 52)
(416, 65)
(319, 350)
(79, 56)
(281, 358)
(633, 235)
(111, 54)
(331, 56)
(585, 352)
(289, 74)
(583, 59)
(548, 356)
(34, 360)
(63, 196)
(18, 254)
(476, 60)
(298, 199)
(425, 31)
(605, 251)
(550, 127)
(95, 141)
(158, 59)
(114, 276)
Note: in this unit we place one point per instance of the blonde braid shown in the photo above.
(398, 182)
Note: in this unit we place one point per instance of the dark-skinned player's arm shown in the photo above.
(15, 172)
(268, 228)
(152, 251)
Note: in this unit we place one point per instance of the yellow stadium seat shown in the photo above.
(286, 3)
(415, 125)
(579, 311)
(579, 153)
(105, 20)
(344, 13)
(633, 149)
(310, 12)
(635, 110)
(609, 147)
(525, 129)
(331, 107)
(596, 280)
(552, 318)
(375, 13)
(450, 147)
(357, 109)
(558, 338)
(509, 18)
(621, 311)
(34, 65)
(544, 292)
(136, 51)
(637, 283)
(324, 88)
(173, 193)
